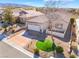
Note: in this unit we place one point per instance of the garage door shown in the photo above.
(34, 27)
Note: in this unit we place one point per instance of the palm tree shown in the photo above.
(72, 20)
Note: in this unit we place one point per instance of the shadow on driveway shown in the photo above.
(36, 55)
(34, 35)
(59, 55)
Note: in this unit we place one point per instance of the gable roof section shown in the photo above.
(39, 19)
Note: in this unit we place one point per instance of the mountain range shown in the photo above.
(13, 5)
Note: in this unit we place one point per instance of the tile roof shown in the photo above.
(39, 19)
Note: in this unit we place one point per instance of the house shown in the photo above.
(22, 18)
(22, 12)
(77, 29)
(20, 15)
(39, 23)
(59, 24)
(24, 15)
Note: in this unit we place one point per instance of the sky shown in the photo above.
(41, 3)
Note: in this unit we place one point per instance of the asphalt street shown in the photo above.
(6, 51)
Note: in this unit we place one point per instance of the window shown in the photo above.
(59, 26)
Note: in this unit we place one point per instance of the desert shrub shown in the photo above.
(72, 56)
(59, 49)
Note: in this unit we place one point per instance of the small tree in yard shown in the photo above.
(59, 49)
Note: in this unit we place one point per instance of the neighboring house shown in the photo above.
(23, 18)
(22, 13)
(33, 13)
(1, 14)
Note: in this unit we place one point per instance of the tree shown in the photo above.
(8, 17)
(59, 49)
(72, 20)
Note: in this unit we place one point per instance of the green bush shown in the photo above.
(47, 45)
(59, 49)
(53, 46)
(72, 56)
